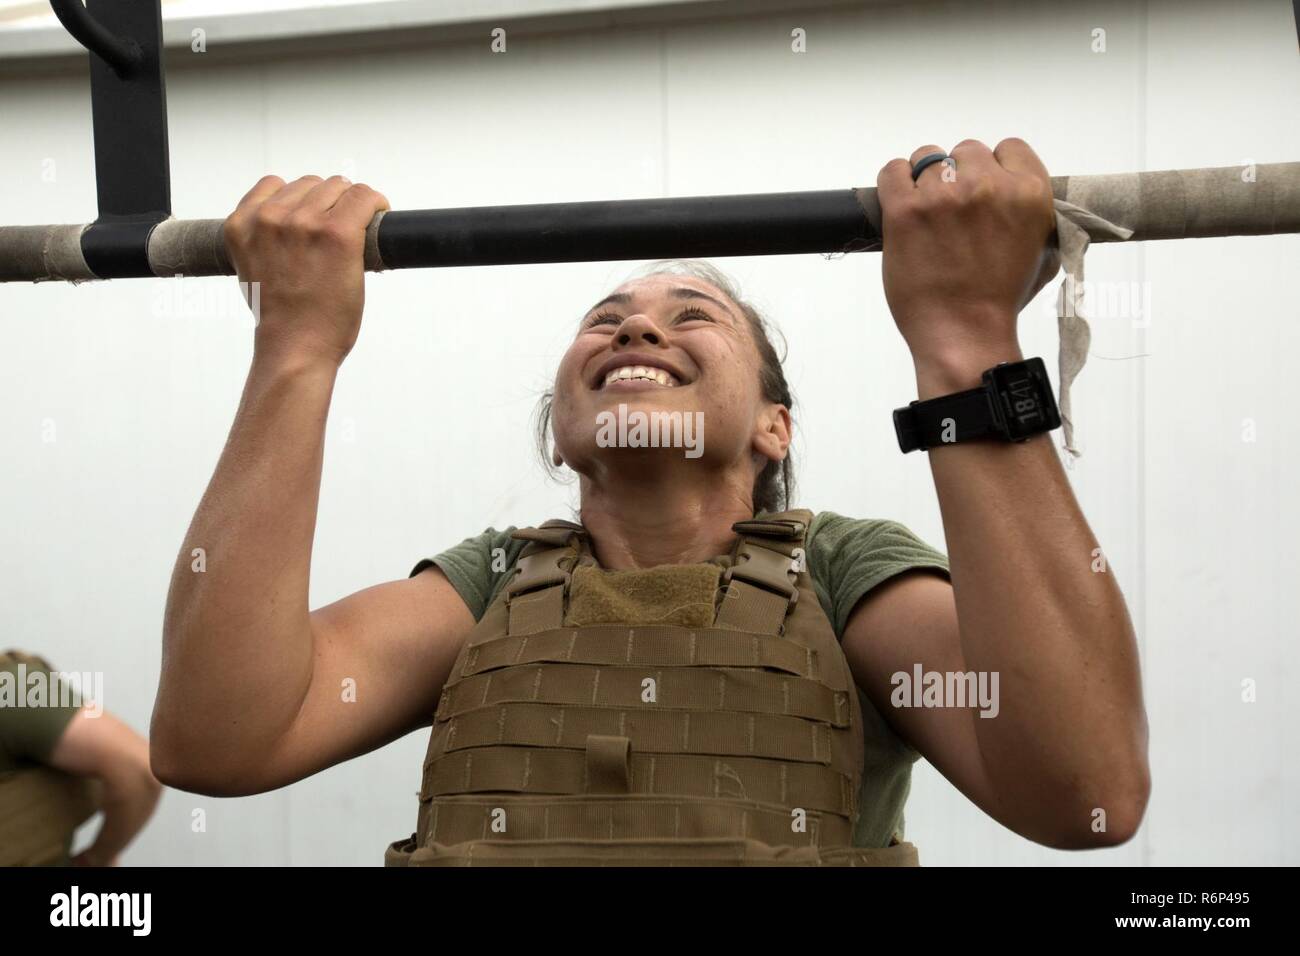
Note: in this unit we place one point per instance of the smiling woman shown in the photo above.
(774, 486)
(660, 655)
(688, 673)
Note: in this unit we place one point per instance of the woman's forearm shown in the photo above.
(237, 643)
(1038, 603)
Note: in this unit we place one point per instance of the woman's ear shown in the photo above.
(772, 434)
(555, 457)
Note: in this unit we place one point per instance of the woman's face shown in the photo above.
(666, 344)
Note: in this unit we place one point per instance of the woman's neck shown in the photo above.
(654, 519)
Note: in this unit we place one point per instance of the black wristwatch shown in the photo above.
(1014, 404)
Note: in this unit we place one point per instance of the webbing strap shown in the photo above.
(537, 610)
(648, 646)
(614, 853)
(555, 533)
(535, 594)
(718, 688)
(655, 731)
(453, 820)
(700, 852)
(896, 854)
(761, 583)
(746, 607)
(608, 764)
(524, 770)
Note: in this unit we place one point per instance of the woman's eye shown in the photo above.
(610, 318)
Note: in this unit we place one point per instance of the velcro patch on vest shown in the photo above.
(681, 595)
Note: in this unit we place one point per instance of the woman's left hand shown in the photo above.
(966, 247)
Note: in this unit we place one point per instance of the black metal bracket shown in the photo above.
(128, 95)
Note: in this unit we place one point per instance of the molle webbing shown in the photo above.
(516, 770)
(736, 689)
(656, 818)
(629, 852)
(735, 742)
(658, 731)
(646, 647)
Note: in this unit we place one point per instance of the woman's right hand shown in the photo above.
(304, 245)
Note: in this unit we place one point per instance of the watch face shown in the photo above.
(1023, 395)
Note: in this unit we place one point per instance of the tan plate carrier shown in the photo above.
(40, 810)
(736, 744)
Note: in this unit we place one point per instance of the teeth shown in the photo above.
(628, 372)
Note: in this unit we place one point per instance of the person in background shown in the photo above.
(59, 765)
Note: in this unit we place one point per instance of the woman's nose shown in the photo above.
(638, 329)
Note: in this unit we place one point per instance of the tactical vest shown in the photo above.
(738, 742)
(40, 810)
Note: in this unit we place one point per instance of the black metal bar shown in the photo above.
(758, 224)
(120, 52)
(129, 110)
(1161, 204)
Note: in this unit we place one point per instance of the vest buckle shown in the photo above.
(787, 528)
(536, 571)
(765, 568)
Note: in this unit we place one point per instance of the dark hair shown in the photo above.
(774, 486)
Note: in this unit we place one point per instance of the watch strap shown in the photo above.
(962, 416)
(1013, 403)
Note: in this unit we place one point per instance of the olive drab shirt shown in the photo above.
(40, 807)
(845, 557)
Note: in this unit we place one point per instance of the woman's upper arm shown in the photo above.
(907, 620)
(381, 658)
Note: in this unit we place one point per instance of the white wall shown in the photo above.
(429, 437)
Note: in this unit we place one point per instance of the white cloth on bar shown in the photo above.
(1075, 228)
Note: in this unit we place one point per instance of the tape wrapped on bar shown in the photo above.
(43, 254)
(188, 247)
(196, 247)
(1260, 199)
(1174, 204)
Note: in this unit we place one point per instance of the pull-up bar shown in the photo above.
(1176, 204)
(136, 236)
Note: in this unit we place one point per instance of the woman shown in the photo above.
(668, 541)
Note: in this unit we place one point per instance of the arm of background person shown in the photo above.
(105, 748)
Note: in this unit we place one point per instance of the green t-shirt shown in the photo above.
(28, 735)
(847, 557)
(40, 807)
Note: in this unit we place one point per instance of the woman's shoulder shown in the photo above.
(834, 534)
(477, 566)
(847, 557)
